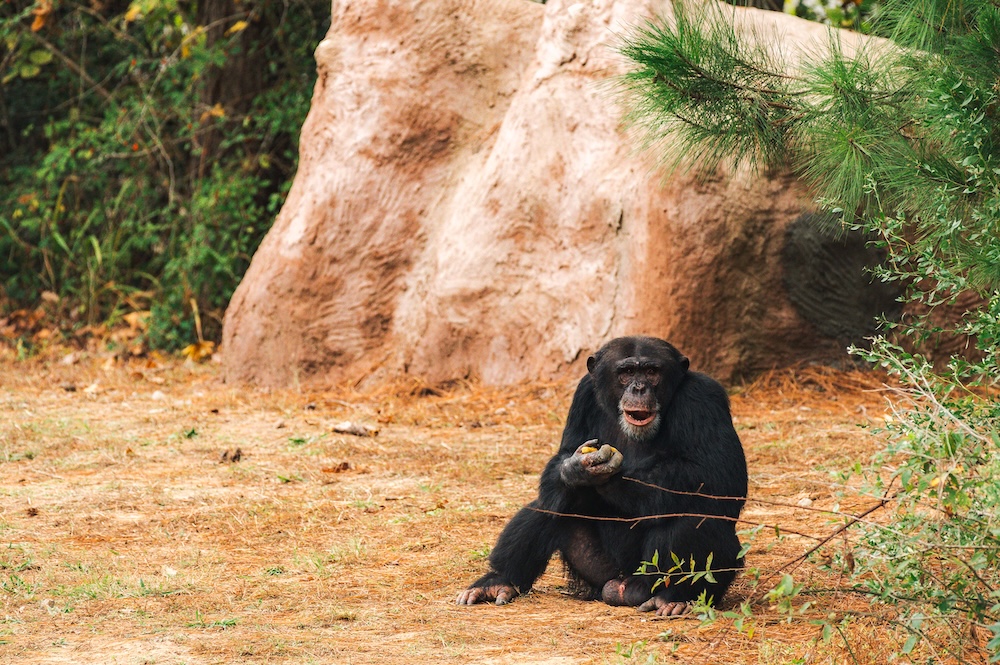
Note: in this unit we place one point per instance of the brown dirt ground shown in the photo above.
(124, 537)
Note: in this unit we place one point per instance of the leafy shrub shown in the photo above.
(144, 150)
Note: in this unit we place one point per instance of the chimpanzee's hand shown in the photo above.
(591, 464)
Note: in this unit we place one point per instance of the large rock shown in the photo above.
(468, 205)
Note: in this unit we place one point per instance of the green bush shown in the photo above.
(145, 149)
(838, 13)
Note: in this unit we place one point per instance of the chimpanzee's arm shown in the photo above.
(570, 476)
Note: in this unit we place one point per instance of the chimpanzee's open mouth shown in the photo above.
(639, 418)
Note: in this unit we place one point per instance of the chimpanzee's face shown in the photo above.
(637, 377)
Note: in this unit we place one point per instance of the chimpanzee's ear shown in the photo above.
(591, 363)
(685, 363)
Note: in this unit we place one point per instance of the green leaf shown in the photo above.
(97, 249)
(29, 70)
(61, 241)
(785, 586)
(40, 57)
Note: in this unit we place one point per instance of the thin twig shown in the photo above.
(636, 520)
(844, 527)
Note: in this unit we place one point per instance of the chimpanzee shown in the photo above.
(644, 437)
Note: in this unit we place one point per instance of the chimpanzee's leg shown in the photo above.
(587, 560)
(520, 555)
(590, 562)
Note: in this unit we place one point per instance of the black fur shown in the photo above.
(694, 449)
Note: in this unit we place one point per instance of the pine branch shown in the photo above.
(694, 77)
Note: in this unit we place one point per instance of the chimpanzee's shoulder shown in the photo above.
(702, 387)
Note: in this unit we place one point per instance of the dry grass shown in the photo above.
(124, 537)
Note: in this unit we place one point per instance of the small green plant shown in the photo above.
(19, 566)
(353, 549)
(16, 585)
(679, 572)
(634, 653)
(301, 441)
(200, 622)
(784, 595)
(16, 457)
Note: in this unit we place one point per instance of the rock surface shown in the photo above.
(469, 205)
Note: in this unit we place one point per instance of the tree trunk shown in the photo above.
(233, 85)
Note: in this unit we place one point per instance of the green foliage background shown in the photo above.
(144, 151)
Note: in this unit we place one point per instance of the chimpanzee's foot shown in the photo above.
(613, 592)
(630, 591)
(500, 593)
(664, 607)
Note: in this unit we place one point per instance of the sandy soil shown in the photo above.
(128, 534)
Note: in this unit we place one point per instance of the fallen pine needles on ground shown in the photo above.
(152, 513)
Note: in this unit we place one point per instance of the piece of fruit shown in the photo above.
(587, 449)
